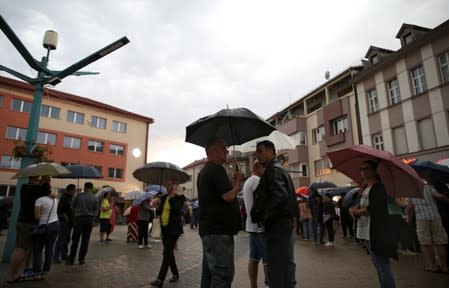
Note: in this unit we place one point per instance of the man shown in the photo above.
(275, 207)
(316, 207)
(219, 218)
(65, 216)
(85, 208)
(256, 238)
(429, 228)
(22, 254)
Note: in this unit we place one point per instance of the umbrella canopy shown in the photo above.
(82, 172)
(441, 172)
(159, 172)
(322, 185)
(155, 191)
(41, 169)
(302, 191)
(444, 162)
(234, 126)
(103, 191)
(336, 191)
(349, 197)
(133, 195)
(281, 141)
(399, 179)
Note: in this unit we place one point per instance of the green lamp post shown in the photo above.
(44, 77)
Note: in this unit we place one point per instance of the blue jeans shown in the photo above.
(61, 247)
(306, 229)
(46, 241)
(315, 225)
(384, 272)
(218, 261)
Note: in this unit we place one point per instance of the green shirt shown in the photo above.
(165, 216)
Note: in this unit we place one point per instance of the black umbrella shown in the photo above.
(349, 197)
(441, 172)
(234, 126)
(80, 171)
(336, 190)
(159, 172)
(321, 185)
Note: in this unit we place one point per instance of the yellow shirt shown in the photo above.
(165, 216)
(105, 214)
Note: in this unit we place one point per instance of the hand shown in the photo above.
(155, 202)
(238, 176)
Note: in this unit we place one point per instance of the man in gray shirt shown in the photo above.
(85, 208)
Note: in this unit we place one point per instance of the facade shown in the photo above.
(78, 131)
(403, 95)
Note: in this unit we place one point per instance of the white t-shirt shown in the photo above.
(248, 197)
(363, 223)
(45, 204)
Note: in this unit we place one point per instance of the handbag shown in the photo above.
(41, 229)
(156, 228)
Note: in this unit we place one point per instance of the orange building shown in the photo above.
(77, 130)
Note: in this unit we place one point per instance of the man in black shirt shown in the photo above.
(65, 216)
(219, 218)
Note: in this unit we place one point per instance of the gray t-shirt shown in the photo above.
(45, 204)
(85, 204)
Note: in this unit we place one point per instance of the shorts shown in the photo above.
(104, 225)
(257, 247)
(431, 232)
(24, 239)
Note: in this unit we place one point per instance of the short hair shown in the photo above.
(70, 187)
(372, 163)
(88, 185)
(268, 144)
(212, 142)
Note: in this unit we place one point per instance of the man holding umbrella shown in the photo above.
(219, 218)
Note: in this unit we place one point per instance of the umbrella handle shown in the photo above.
(235, 159)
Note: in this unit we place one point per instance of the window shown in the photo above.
(21, 106)
(16, 133)
(116, 149)
(318, 134)
(1, 100)
(340, 125)
(7, 190)
(98, 122)
(374, 59)
(46, 138)
(373, 104)
(419, 80)
(400, 140)
(444, 66)
(50, 111)
(322, 167)
(408, 38)
(75, 117)
(95, 146)
(300, 138)
(427, 134)
(115, 173)
(72, 142)
(119, 127)
(393, 91)
(303, 170)
(10, 162)
(378, 142)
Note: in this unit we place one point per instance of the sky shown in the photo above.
(189, 59)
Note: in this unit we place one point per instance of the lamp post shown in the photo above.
(44, 77)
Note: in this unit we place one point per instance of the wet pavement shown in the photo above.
(122, 264)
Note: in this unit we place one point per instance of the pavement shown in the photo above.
(122, 264)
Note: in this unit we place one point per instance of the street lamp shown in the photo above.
(44, 77)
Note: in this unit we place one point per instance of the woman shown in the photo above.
(45, 212)
(306, 217)
(143, 219)
(328, 218)
(105, 215)
(373, 211)
(131, 212)
(170, 208)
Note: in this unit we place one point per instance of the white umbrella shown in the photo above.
(41, 169)
(281, 141)
(133, 194)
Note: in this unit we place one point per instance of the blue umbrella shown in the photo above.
(336, 191)
(441, 172)
(154, 191)
(349, 197)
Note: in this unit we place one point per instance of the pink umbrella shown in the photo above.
(399, 179)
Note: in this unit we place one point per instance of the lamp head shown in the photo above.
(50, 40)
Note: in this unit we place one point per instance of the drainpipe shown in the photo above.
(357, 110)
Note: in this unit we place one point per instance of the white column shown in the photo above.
(410, 127)
(439, 118)
(403, 79)
(380, 90)
(388, 140)
(430, 69)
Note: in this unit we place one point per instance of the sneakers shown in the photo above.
(329, 244)
(140, 246)
(101, 242)
(148, 246)
(81, 262)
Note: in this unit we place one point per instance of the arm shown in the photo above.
(37, 213)
(232, 194)
(440, 196)
(410, 212)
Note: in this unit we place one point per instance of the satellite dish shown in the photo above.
(327, 75)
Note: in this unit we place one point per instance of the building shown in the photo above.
(403, 95)
(77, 130)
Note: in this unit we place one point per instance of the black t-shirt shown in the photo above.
(28, 196)
(216, 215)
(65, 206)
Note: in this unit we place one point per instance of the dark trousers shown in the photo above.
(218, 261)
(168, 260)
(82, 227)
(317, 224)
(46, 242)
(347, 224)
(142, 226)
(278, 237)
(61, 247)
(330, 230)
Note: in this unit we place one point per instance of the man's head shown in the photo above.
(258, 168)
(265, 152)
(216, 150)
(45, 179)
(88, 187)
(70, 189)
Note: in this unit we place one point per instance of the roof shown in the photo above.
(411, 27)
(377, 49)
(195, 163)
(78, 99)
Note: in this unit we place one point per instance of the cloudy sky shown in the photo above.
(188, 59)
